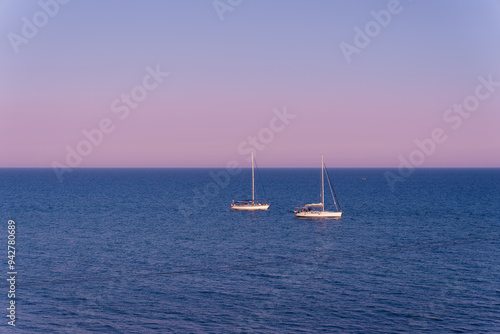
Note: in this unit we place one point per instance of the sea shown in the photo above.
(160, 251)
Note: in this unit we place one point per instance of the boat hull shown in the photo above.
(319, 214)
(250, 207)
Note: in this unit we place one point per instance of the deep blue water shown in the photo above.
(141, 251)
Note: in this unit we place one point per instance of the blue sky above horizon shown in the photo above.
(228, 79)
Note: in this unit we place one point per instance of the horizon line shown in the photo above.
(124, 167)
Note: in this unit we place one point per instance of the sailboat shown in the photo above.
(250, 205)
(317, 210)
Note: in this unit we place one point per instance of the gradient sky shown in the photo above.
(227, 76)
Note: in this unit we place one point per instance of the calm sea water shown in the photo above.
(145, 251)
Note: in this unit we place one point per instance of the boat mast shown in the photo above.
(322, 186)
(253, 182)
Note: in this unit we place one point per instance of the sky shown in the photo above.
(201, 83)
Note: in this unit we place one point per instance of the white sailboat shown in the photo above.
(317, 210)
(250, 205)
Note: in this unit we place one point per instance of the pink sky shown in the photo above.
(226, 77)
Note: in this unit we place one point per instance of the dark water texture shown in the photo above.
(138, 251)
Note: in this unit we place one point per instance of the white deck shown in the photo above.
(319, 214)
(249, 207)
